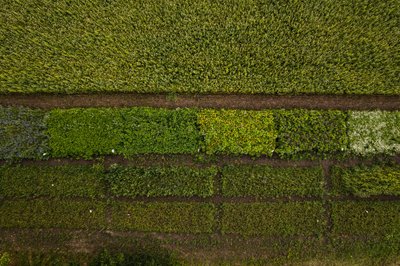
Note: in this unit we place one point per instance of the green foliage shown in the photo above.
(54, 181)
(52, 214)
(163, 217)
(266, 181)
(274, 219)
(366, 219)
(310, 132)
(244, 46)
(157, 130)
(84, 132)
(237, 131)
(161, 181)
(22, 133)
(374, 132)
(364, 181)
(5, 259)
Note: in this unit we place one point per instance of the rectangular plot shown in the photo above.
(55, 181)
(267, 181)
(52, 214)
(161, 181)
(274, 219)
(366, 219)
(163, 217)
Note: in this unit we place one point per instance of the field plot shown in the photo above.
(245, 46)
(173, 132)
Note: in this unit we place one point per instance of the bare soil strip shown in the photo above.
(150, 160)
(217, 199)
(233, 101)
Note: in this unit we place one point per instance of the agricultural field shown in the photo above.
(177, 132)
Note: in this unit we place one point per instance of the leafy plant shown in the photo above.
(54, 181)
(310, 132)
(237, 131)
(367, 181)
(274, 219)
(368, 219)
(22, 133)
(374, 132)
(40, 213)
(267, 181)
(161, 181)
(5, 259)
(157, 130)
(84, 132)
(165, 217)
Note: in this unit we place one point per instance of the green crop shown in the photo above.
(237, 131)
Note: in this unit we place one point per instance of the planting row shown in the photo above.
(328, 47)
(237, 181)
(369, 219)
(26, 133)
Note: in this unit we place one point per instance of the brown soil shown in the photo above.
(149, 160)
(236, 101)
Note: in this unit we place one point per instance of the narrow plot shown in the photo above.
(267, 181)
(52, 181)
(365, 181)
(66, 214)
(163, 217)
(366, 219)
(274, 219)
(161, 181)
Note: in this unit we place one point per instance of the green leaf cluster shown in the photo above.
(237, 131)
(242, 46)
(267, 181)
(274, 219)
(161, 181)
(365, 181)
(22, 133)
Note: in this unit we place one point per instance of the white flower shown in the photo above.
(45, 153)
(52, 185)
(113, 151)
(90, 211)
(366, 211)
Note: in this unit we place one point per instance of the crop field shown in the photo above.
(178, 132)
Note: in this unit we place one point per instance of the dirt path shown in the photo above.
(234, 101)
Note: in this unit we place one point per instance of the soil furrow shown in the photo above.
(213, 199)
(149, 160)
(234, 101)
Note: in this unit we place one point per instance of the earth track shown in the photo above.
(228, 101)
